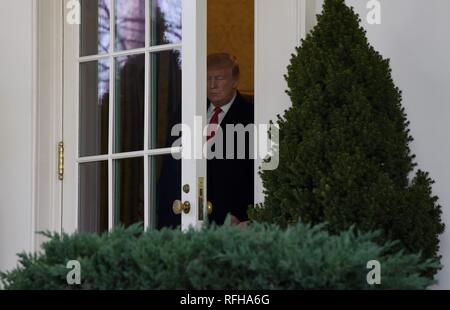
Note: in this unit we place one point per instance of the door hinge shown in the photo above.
(61, 161)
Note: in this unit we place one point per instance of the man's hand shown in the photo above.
(243, 225)
(235, 222)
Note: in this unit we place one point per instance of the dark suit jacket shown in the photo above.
(230, 182)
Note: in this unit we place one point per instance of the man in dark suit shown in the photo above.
(230, 177)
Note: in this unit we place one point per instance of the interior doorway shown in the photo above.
(231, 29)
(231, 106)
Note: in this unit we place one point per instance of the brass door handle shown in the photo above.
(210, 208)
(178, 207)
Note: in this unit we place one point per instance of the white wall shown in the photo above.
(16, 129)
(415, 35)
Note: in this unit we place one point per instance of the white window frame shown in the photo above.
(193, 49)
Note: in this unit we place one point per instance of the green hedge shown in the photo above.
(260, 257)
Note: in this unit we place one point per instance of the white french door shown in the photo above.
(132, 70)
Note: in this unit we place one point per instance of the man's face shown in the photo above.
(221, 86)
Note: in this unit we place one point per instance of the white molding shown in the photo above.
(147, 108)
(301, 19)
(194, 49)
(115, 54)
(70, 125)
(309, 15)
(279, 28)
(155, 152)
(258, 187)
(57, 100)
(112, 113)
(34, 124)
(306, 17)
(47, 43)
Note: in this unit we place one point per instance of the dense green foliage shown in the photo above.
(344, 144)
(260, 257)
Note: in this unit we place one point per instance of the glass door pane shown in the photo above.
(165, 188)
(129, 109)
(129, 191)
(93, 211)
(165, 79)
(95, 27)
(129, 24)
(94, 108)
(165, 27)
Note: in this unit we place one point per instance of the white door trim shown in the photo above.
(69, 216)
(34, 106)
(193, 49)
(194, 90)
(279, 28)
(47, 40)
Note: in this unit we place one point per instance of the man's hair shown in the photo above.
(224, 61)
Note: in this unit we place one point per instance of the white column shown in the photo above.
(279, 27)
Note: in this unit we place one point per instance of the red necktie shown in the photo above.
(214, 123)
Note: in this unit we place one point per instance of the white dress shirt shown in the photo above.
(224, 108)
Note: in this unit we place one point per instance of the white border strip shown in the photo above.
(157, 152)
(146, 116)
(153, 49)
(34, 121)
(112, 95)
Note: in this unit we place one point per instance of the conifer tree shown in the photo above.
(344, 144)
